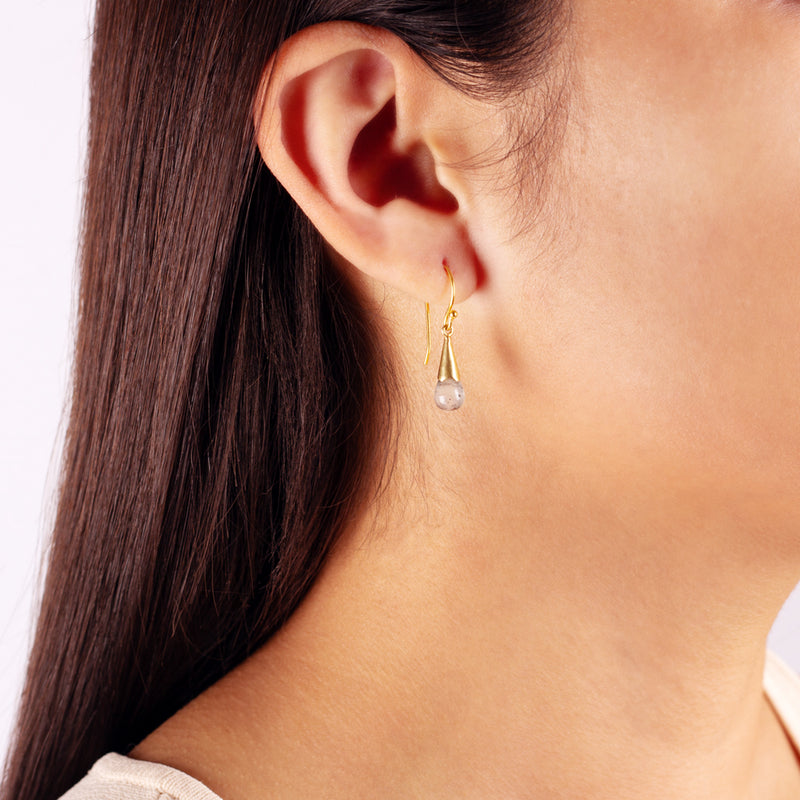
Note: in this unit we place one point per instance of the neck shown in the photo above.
(433, 659)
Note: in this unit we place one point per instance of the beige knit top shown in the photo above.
(116, 777)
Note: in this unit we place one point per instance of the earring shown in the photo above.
(449, 393)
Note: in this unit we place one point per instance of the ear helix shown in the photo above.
(449, 393)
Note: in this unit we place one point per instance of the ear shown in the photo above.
(363, 134)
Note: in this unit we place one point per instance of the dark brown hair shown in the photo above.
(224, 394)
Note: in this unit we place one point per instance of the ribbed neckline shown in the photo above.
(782, 687)
(159, 777)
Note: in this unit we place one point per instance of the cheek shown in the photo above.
(684, 282)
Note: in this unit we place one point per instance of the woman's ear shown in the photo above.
(362, 134)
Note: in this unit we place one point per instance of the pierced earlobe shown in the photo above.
(449, 393)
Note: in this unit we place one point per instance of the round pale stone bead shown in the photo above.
(449, 394)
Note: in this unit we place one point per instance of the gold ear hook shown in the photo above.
(449, 394)
(449, 315)
(428, 326)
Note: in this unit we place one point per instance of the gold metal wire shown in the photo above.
(428, 328)
(449, 315)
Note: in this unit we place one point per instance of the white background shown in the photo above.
(44, 58)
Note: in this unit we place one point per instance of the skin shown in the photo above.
(566, 587)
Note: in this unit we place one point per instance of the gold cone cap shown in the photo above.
(448, 369)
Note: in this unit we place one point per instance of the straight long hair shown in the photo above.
(229, 408)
